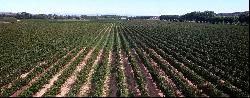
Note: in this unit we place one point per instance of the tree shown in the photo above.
(244, 18)
(23, 15)
(169, 17)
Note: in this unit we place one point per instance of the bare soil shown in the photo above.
(46, 87)
(65, 88)
(87, 85)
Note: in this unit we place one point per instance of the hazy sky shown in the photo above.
(122, 7)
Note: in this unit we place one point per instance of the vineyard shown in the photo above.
(43, 58)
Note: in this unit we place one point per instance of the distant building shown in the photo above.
(155, 18)
(123, 18)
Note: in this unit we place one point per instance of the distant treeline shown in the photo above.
(25, 15)
(199, 17)
(208, 17)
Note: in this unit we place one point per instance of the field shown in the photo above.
(44, 58)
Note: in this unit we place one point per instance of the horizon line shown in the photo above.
(99, 14)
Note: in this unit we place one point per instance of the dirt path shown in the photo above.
(71, 80)
(130, 79)
(86, 86)
(122, 69)
(107, 78)
(37, 76)
(194, 87)
(152, 89)
(46, 87)
(168, 81)
(23, 76)
(113, 83)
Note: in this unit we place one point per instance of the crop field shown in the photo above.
(45, 58)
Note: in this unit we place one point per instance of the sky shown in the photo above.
(122, 7)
